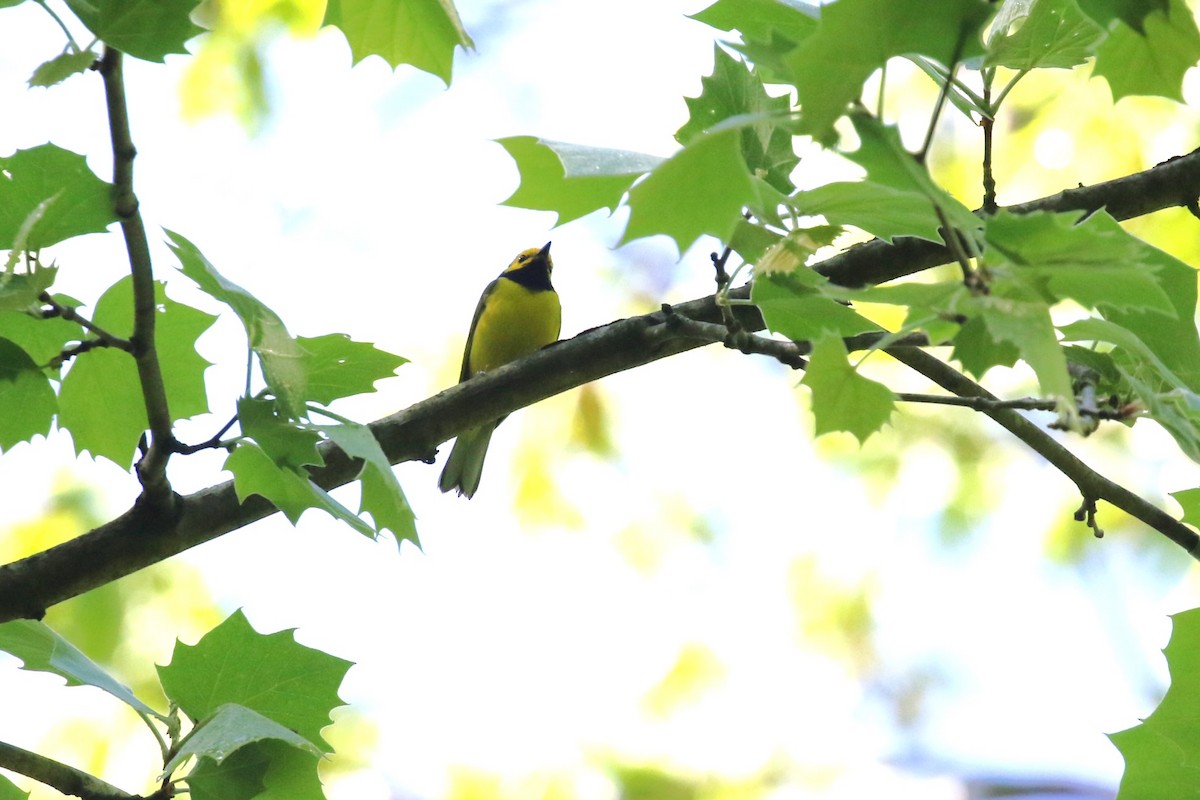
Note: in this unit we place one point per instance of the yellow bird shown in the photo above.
(518, 313)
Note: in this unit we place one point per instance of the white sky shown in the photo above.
(369, 206)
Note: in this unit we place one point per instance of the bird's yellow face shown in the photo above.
(530, 256)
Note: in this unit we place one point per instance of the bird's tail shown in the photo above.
(465, 465)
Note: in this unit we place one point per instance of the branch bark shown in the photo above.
(66, 779)
(145, 535)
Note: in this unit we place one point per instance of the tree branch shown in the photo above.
(144, 536)
(152, 469)
(68, 780)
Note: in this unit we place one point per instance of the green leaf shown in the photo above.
(82, 202)
(61, 67)
(1153, 63)
(289, 490)
(735, 89)
(877, 209)
(338, 366)
(843, 400)
(830, 66)
(1050, 33)
(8, 789)
(761, 19)
(422, 33)
(289, 445)
(228, 729)
(792, 305)
(699, 190)
(569, 179)
(264, 770)
(42, 339)
(1162, 755)
(112, 430)
(382, 496)
(908, 183)
(281, 356)
(286, 682)
(19, 291)
(27, 401)
(43, 650)
(1190, 500)
(1024, 321)
(978, 351)
(1131, 12)
(1094, 262)
(146, 29)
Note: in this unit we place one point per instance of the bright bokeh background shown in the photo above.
(662, 574)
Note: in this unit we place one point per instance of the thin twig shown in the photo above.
(942, 97)
(71, 314)
(1091, 484)
(152, 469)
(987, 124)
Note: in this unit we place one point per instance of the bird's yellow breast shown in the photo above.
(513, 322)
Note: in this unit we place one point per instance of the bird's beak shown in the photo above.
(545, 251)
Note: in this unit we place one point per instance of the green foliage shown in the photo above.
(1153, 61)
(423, 33)
(77, 202)
(10, 791)
(26, 392)
(1046, 33)
(147, 29)
(842, 399)
(59, 68)
(1162, 755)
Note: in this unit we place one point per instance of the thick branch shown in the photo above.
(152, 470)
(144, 536)
(67, 780)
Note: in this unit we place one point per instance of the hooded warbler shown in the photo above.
(518, 313)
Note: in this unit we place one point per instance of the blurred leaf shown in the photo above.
(843, 400)
(27, 401)
(337, 366)
(282, 358)
(1050, 33)
(382, 496)
(19, 291)
(650, 783)
(8, 789)
(1190, 500)
(572, 180)
(695, 671)
(290, 684)
(43, 650)
(978, 351)
(1152, 63)
(699, 190)
(830, 66)
(228, 729)
(591, 426)
(792, 305)
(82, 202)
(1162, 755)
(1131, 12)
(733, 89)
(146, 29)
(289, 445)
(1094, 262)
(422, 33)
(61, 67)
(291, 491)
(761, 19)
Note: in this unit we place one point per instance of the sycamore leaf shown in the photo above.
(733, 89)
(1162, 755)
(43, 650)
(978, 350)
(289, 490)
(337, 366)
(877, 209)
(843, 400)
(264, 770)
(61, 67)
(27, 401)
(281, 356)
(761, 19)
(792, 305)
(289, 445)
(1189, 499)
(19, 291)
(569, 179)
(1154, 62)
(1024, 321)
(1048, 33)
(1094, 262)
(292, 685)
(28, 178)
(146, 29)
(1131, 12)
(228, 729)
(42, 339)
(423, 33)
(8, 789)
(830, 66)
(382, 496)
(699, 190)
